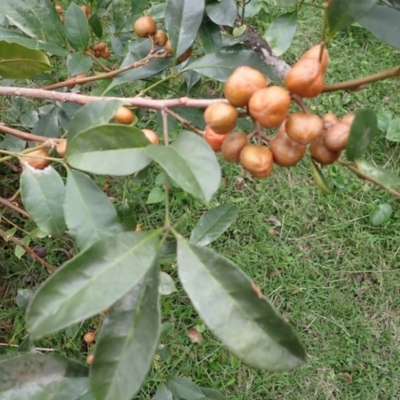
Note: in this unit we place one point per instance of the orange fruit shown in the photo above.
(89, 359)
(105, 53)
(124, 116)
(86, 10)
(329, 119)
(233, 145)
(183, 57)
(168, 48)
(59, 9)
(89, 337)
(336, 136)
(314, 53)
(286, 152)
(348, 119)
(321, 153)
(37, 163)
(221, 117)
(100, 46)
(160, 38)
(145, 27)
(150, 135)
(61, 147)
(215, 140)
(258, 160)
(304, 128)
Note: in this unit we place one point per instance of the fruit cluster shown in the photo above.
(269, 107)
(60, 10)
(100, 50)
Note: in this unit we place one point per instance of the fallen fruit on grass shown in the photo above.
(89, 337)
(34, 160)
(221, 117)
(150, 135)
(160, 38)
(145, 27)
(336, 136)
(321, 154)
(233, 145)
(124, 116)
(62, 147)
(215, 140)
(304, 128)
(257, 160)
(286, 152)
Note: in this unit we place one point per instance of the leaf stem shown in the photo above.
(184, 122)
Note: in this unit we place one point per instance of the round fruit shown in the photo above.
(329, 119)
(215, 140)
(314, 53)
(160, 38)
(185, 55)
(348, 119)
(124, 116)
(89, 359)
(145, 27)
(270, 106)
(100, 46)
(59, 9)
(86, 10)
(257, 160)
(89, 337)
(242, 84)
(62, 147)
(336, 137)
(168, 48)
(105, 53)
(97, 53)
(151, 135)
(305, 78)
(221, 117)
(233, 145)
(304, 128)
(286, 152)
(321, 153)
(37, 163)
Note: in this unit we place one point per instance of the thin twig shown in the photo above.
(15, 240)
(9, 204)
(16, 345)
(184, 121)
(24, 135)
(164, 116)
(300, 102)
(98, 62)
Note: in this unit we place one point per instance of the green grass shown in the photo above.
(319, 260)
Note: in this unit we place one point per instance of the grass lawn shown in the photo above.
(332, 274)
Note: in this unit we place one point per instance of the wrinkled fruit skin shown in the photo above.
(160, 38)
(145, 27)
(304, 128)
(305, 78)
(233, 145)
(62, 147)
(270, 106)
(329, 119)
(257, 160)
(221, 117)
(242, 84)
(215, 140)
(314, 53)
(37, 163)
(124, 116)
(336, 137)
(348, 119)
(150, 135)
(286, 152)
(185, 55)
(321, 154)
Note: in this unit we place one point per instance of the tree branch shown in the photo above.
(9, 204)
(24, 135)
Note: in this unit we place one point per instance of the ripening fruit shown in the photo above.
(304, 128)
(286, 152)
(160, 38)
(329, 119)
(59, 9)
(168, 48)
(100, 46)
(37, 163)
(106, 53)
(348, 119)
(185, 55)
(257, 160)
(89, 359)
(215, 140)
(242, 84)
(306, 78)
(89, 337)
(150, 135)
(336, 137)
(221, 117)
(61, 147)
(145, 27)
(270, 106)
(233, 145)
(314, 53)
(124, 116)
(97, 53)
(86, 10)
(321, 153)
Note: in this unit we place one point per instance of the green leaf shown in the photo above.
(235, 311)
(40, 377)
(19, 62)
(281, 32)
(157, 195)
(191, 163)
(210, 36)
(393, 133)
(185, 389)
(384, 121)
(95, 23)
(89, 214)
(78, 63)
(92, 281)
(110, 149)
(211, 394)
(27, 346)
(167, 284)
(163, 393)
(118, 13)
(127, 341)
(220, 66)
(342, 13)
(77, 28)
(319, 179)
(363, 131)
(23, 298)
(183, 19)
(42, 194)
(383, 23)
(213, 224)
(380, 214)
(223, 12)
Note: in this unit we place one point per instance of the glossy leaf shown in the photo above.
(393, 132)
(319, 179)
(363, 130)
(78, 63)
(39, 377)
(183, 19)
(89, 214)
(95, 23)
(42, 194)
(127, 341)
(281, 32)
(163, 393)
(47, 124)
(92, 281)
(19, 62)
(210, 36)
(222, 12)
(251, 329)
(77, 28)
(380, 214)
(213, 224)
(342, 13)
(220, 66)
(185, 389)
(110, 149)
(383, 23)
(191, 163)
